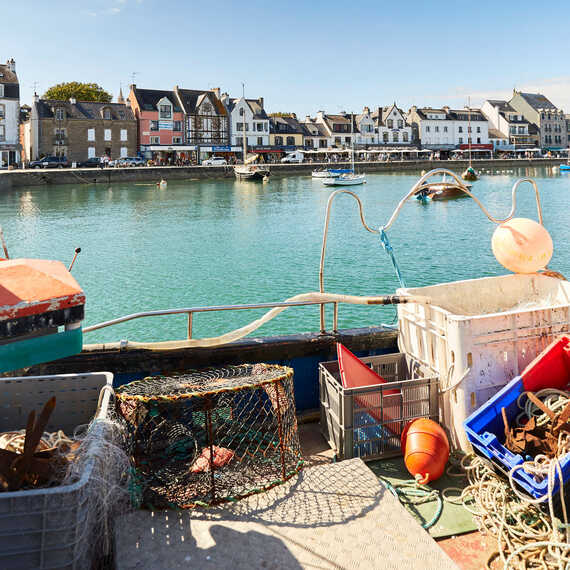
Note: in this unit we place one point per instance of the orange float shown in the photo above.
(426, 450)
(522, 245)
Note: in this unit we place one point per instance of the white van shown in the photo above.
(296, 156)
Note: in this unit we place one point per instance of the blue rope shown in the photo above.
(390, 251)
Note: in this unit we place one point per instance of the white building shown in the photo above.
(316, 135)
(9, 114)
(337, 128)
(445, 128)
(251, 114)
(364, 129)
(391, 126)
(509, 122)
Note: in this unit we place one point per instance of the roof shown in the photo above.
(453, 114)
(495, 134)
(319, 128)
(285, 126)
(255, 106)
(537, 100)
(82, 109)
(503, 106)
(148, 98)
(193, 98)
(7, 76)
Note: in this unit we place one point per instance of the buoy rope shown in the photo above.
(390, 251)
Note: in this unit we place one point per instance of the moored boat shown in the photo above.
(330, 172)
(345, 180)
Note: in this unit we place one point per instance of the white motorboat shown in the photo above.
(330, 172)
(346, 180)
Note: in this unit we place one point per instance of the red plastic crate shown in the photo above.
(550, 369)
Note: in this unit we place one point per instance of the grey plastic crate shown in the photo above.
(44, 528)
(367, 422)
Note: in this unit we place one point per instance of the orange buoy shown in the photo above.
(426, 449)
(522, 245)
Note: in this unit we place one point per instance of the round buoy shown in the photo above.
(162, 184)
(522, 245)
(423, 173)
(426, 450)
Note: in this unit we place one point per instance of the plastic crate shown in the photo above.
(367, 422)
(44, 528)
(485, 428)
(479, 334)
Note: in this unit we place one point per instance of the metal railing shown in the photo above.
(189, 311)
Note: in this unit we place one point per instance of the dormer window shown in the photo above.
(241, 112)
(164, 109)
(106, 113)
(59, 114)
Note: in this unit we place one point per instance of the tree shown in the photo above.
(79, 91)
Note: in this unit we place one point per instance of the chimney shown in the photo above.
(36, 97)
(366, 111)
(260, 102)
(73, 100)
(308, 119)
(11, 65)
(294, 115)
(445, 108)
(216, 91)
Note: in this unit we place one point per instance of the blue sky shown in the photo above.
(300, 56)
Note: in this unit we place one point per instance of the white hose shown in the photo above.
(248, 329)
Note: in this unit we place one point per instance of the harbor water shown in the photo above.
(219, 242)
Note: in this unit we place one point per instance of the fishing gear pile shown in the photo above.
(211, 436)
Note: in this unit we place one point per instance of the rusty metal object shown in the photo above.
(31, 467)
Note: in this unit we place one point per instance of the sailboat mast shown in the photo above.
(352, 139)
(243, 124)
(469, 126)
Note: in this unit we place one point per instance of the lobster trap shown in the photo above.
(211, 436)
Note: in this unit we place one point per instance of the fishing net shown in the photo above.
(211, 436)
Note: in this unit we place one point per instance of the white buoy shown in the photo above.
(162, 184)
(265, 179)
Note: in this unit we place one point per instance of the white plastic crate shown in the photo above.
(44, 528)
(368, 421)
(479, 334)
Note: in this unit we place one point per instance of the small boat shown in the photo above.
(345, 180)
(330, 172)
(349, 178)
(564, 167)
(441, 191)
(251, 172)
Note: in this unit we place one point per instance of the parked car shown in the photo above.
(132, 161)
(296, 156)
(50, 162)
(215, 161)
(93, 162)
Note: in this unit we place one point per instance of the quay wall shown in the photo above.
(15, 178)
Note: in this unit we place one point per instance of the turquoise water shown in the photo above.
(227, 242)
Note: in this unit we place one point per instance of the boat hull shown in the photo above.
(345, 180)
(564, 167)
(251, 173)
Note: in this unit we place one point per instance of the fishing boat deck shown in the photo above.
(332, 515)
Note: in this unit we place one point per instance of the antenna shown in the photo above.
(35, 86)
(243, 89)
(133, 76)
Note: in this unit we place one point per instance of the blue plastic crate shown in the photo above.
(485, 430)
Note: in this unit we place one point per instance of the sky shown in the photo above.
(301, 56)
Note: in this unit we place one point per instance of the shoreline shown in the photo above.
(17, 178)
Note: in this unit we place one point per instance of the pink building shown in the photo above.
(160, 124)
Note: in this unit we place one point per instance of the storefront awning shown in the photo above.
(166, 148)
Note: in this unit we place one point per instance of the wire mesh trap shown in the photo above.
(211, 436)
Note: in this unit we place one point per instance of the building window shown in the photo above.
(2, 133)
(259, 127)
(323, 143)
(122, 115)
(177, 126)
(154, 125)
(459, 129)
(396, 137)
(176, 140)
(1, 90)
(165, 112)
(59, 114)
(290, 141)
(278, 140)
(337, 141)
(241, 112)
(478, 140)
(437, 129)
(2, 109)
(124, 151)
(107, 134)
(385, 137)
(400, 124)
(259, 141)
(124, 134)
(444, 129)
(154, 140)
(478, 129)
(107, 113)
(347, 140)
(460, 140)
(405, 136)
(390, 123)
(91, 152)
(90, 134)
(427, 129)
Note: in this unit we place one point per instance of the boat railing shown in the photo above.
(190, 311)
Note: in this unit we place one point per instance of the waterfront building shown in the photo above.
(337, 128)
(286, 132)
(448, 129)
(365, 134)
(316, 135)
(248, 115)
(391, 126)
(548, 119)
(160, 119)
(10, 147)
(79, 130)
(206, 122)
(499, 141)
(509, 122)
